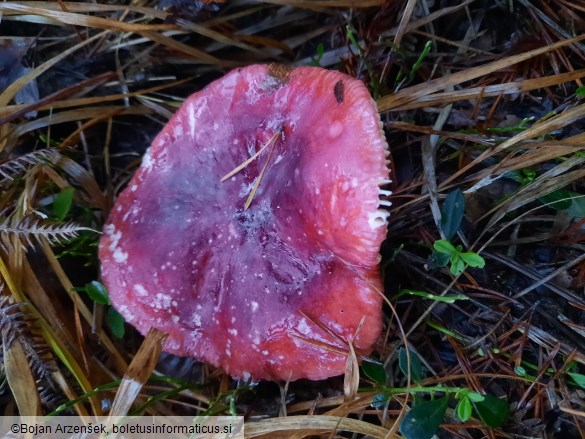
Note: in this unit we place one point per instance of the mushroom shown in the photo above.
(251, 231)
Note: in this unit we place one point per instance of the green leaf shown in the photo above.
(475, 397)
(577, 208)
(374, 371)
(452, 213)
(379, 400)
(522, 176)
(444, 246)
(559, 200)
(520, 371)
(115, 322)
(62, 203)
(423, 421)
(420, 59)
(578, 378)
(416, 367)
(580, 92)
(464, 409)
(316, 60)
(473, 259)
(97, 292)
(437, 260)
(492, 411)
(457, 266)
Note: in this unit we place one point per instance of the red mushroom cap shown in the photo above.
(277, 290)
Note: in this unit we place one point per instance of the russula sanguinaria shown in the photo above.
(251, 231)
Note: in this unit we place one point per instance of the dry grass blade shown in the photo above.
(83, 178)
(539, 129)
(82, 20)
(48, 101)
(97, 7)
(218, 36)
(409, 94)
(86, 102)
(543, 185)
(311, 4)
(536, 153)
(429, 18)
(21, 379)
(180, 47)
(351, 377)
(315, 424)
(85, 312)
(57, 338)
(404, 20)
(138, 372)
(495, 90)
(72, 115)
(8, 94)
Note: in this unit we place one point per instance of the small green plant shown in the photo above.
(99, 294)
(452, 213)
(401, 79)
(48, 142)
(571, 202)
(459, 260)
(561, 199)
(375, 85)
(520, 126)
(62, 204)
(316, 60)
(522, 176)
(426, 415)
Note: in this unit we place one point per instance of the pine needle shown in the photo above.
(251, 159)
(259, 178)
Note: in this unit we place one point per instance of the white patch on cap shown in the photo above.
(303, 328)
(254, 306)
(161, 301)
(140, 290)
(128, 316)
(335, 129)
(233, 331)
(196, 320)
(120, 256)
(147, 161)
(117, 253)
(191, 113)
